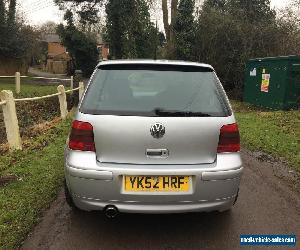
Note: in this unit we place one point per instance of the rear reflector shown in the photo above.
(229, 140)
(82, 136)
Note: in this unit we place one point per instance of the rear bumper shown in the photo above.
(155, 208)
(93, 185)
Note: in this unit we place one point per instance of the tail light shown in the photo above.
(229, 140)
(82, 136)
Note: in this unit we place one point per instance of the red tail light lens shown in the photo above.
(229, 140)
(82, 136)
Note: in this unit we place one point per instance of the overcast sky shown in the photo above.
(40, 11)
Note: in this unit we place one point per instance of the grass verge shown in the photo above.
(30, 90)
(274, 132)
(39, 174)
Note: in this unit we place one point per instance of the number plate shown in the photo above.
(156, 183)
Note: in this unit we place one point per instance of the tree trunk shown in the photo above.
(169, 28)
(174, 4)
(2, 16)
(166, 19)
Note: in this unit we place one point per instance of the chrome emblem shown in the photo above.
(157, 130)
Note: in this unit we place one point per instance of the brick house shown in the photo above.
(58, 59)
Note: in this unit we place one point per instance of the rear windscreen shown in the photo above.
(140, 90)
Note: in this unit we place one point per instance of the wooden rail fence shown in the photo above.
(18, 77)
(8, 104)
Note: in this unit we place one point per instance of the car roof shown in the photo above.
(154, 62)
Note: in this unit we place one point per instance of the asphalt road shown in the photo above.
(269, 203)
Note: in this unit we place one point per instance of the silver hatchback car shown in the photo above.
(153, 137)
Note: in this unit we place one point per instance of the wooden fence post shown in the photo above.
(81, 90)
(72, 83)
(11, 120)
(75, 95)
(62, 102)
(18, 82)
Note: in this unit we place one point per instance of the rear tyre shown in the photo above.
(236, 197)
(69, 198)
(228, 209)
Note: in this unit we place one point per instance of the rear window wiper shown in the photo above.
(163, 112)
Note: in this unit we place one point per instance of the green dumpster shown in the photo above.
(273, 82)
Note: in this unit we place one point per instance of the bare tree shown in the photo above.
(169, 28)
(48, 27)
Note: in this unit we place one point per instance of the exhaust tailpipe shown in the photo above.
(111, 211)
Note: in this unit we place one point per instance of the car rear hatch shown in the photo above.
(127, 139)
(121, 104)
